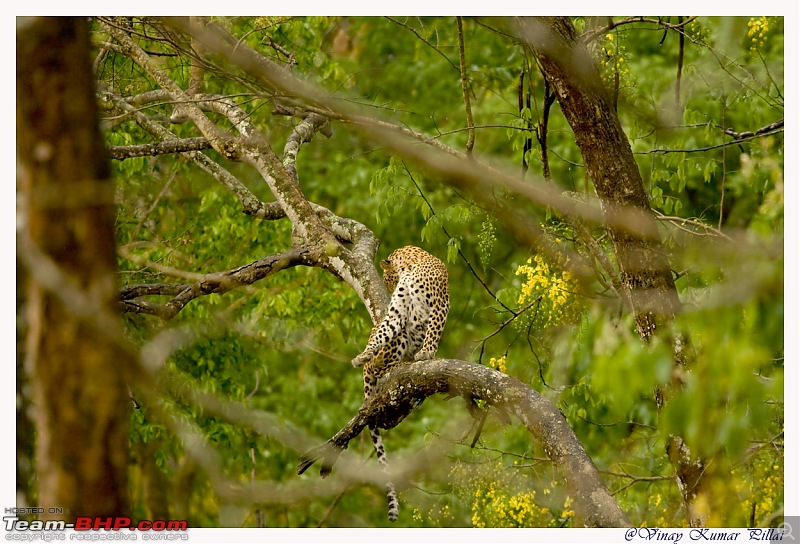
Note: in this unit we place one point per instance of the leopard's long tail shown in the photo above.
(372, 370)
(391, 492)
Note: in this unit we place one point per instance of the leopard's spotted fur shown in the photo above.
(410, 330)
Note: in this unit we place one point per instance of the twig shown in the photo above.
(332, 505)
(541, 133)
(508, 321)
(678, 221)
(636, 478)
(152, 206)
(763, 130)
(528, 144)
(512, 454)
(426, 42)
(710, 147)
(465, 87)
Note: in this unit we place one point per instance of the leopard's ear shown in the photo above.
(385, 264)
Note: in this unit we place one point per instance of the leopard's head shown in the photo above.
(400, 260)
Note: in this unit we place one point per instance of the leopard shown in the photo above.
(409, 331)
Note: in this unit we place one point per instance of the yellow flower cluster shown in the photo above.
(492, 508)
(612, 60)
(438, 515)
(567, 512)
(498, 363)
(697, 32)
(757, 29)
(771, 488)
(659, 512)
(760, 484)
(554, 288)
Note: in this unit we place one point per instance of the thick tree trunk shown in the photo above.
(67, 244)
(645, 273)
(588, 107)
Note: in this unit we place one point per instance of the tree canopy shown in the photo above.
(607, 193)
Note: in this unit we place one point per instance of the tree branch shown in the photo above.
(355, 266)
(740, 137)
(301, 134)
(251, 148)
(122, 152)
(251, 205)
(217, 282)
(763, 130)
(408, 385)
(465, 87)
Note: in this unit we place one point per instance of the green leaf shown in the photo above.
(453, 247)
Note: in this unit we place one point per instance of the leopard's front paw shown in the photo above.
(424, 355)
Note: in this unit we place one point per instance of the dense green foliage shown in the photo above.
(283, 345)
